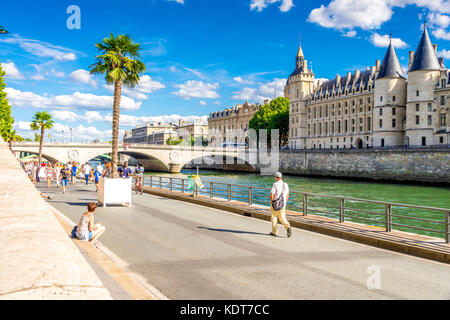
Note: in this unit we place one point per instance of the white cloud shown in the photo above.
(260, 5)
(38, 77)
(267, 90)
(366, 14)
(11, 70)
(383, 41)
(83, 76)
(444, 53)
(73, 101)
(203, 103)
(146, 86)
(197, 89)
(42, 49)
(242, 80)
(441, 34)
(177, 1)
(350, 34)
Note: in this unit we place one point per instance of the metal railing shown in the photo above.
(411, 218)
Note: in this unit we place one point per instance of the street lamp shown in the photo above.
(70, 135)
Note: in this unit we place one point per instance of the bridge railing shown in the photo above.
(387, 215)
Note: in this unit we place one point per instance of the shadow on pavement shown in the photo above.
(234, 231)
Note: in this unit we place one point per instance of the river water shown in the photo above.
(429, 196)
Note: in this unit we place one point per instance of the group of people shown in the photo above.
(63, 174)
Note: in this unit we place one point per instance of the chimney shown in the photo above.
(305, 66)
(373, 69)
(349, 75)
(435, 48)
(357, 74)
(378, 65)
(411, 59)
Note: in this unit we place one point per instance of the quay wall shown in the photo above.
(406, 165)
(38, 259)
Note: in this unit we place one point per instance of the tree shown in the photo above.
(174, 141)
(41, 121)
(273, 116)
(6, 120)
(119, 62)
(11, 135)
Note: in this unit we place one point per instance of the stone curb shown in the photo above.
(409, 249)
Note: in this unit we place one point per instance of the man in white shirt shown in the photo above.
(87, 172)
(278, 199)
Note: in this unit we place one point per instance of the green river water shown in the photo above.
(429, 196)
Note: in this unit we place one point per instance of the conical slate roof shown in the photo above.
(300, 51)
(425, 57)
(391, 67)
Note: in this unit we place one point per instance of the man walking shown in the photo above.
(87, 172)
(278, 199)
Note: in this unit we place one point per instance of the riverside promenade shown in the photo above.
(191, 251)
(38, 260)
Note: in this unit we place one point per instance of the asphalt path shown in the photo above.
(193, 252)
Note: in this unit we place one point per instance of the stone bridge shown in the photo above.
(153, 157)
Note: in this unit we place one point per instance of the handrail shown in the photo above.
(300, 200)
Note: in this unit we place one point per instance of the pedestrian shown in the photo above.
(87, 230)
(57, 173)
(87, 172)
(49, 174)
(65, 174)
(74, 173)
(125, 172)
(97, 174)
(278, 199)
(107, 171)
(139, 177)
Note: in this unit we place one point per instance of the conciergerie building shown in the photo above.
(378, 107)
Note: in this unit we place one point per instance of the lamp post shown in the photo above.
(71, 135)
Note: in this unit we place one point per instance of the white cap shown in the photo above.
(278, 175)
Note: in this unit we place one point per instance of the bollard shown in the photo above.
(182, 185)
(170, 184)
(447, 227)
(229, 192)
(305, 204)
(388, 218)
(151, 181)
(250, 196)
(341, 211)
(211, 190)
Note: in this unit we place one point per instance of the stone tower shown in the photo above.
(423, 75)
(299, 86)
(389, 102)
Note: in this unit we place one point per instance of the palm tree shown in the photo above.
(119, 62)
(11, 135)
(41, 121)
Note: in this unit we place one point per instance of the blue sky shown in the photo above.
(201, 55)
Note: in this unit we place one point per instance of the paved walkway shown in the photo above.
(37, 258)
(193, 252)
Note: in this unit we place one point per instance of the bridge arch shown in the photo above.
(44, 155)
(150, 163)
(238, 163)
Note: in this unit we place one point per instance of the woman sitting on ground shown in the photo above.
(87, 230)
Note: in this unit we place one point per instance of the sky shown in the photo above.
(201, 56)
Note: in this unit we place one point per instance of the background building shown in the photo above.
(196, 129)
(231, 125)
(377, 107)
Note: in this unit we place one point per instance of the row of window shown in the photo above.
(319, 129)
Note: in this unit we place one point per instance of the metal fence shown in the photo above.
(411, 218)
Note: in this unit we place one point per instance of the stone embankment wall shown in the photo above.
(406, 165)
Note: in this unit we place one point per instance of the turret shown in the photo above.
(422, 78)
(390, 102)
(299, 87)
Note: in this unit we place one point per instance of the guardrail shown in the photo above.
(403, 217)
